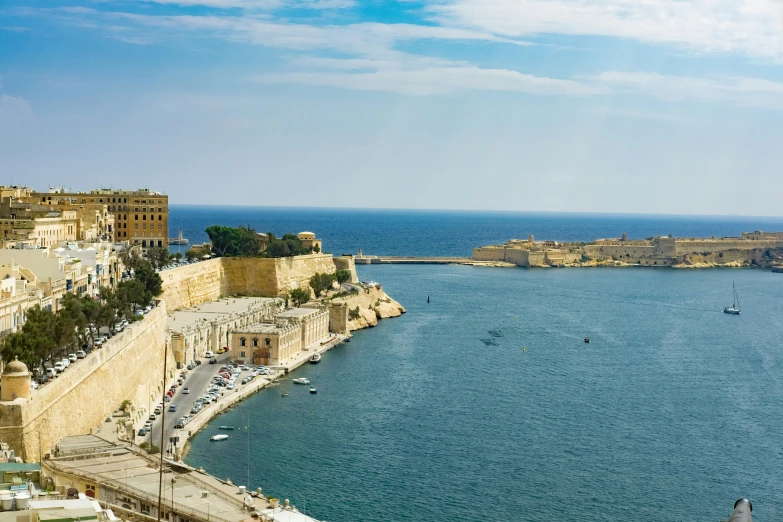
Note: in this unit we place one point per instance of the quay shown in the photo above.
(411, 260)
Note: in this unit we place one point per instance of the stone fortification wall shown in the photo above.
(691, 246)
(206, 281)
(620, 251)
(490, 253)
(516, 256)
(347, 263)
(192, 285)
(82, 397)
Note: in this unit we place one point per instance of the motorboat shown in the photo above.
(226, 428)
(315, 359)
(313, 390)
(284, 394)
(587, 339)
(302, 380)
(218, 437)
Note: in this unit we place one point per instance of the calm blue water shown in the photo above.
(447, 233)
(486, 402)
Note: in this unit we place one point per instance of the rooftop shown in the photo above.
(217, 310)
(261, 328)
(298, 312)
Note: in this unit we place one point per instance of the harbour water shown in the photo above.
(487, 404)
(447, 233)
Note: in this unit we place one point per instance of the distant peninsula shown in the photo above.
(761, 249)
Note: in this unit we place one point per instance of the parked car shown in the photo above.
(51, 372)
(221, 350)
(59, 367)
(230, 386)
(72, 357)
(148, 425)
(66, 362)
(194, 410)
(34, 385)
(209, 355)
(153, 416)
(142, 432)
(158, 409)
(81, 354)
(179, 425)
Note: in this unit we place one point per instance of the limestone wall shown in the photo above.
(206, 281)
(690, 246)
(82, 397)
(490, 253)
(191, 285)
(517, 256)
(347, 263)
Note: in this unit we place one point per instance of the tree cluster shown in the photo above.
(321, 283)
(46, 335)
(243, 242)
(232, 242)
(299, 296)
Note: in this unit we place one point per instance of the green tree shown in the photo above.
(225, 240)
(158, 257)
(299, 296)
(342, 276)
(316, 249)
(286, 246)
(192, 254)
(18, 345)
(132, 294)
(130, 259)
(148, 277)
(321, 282)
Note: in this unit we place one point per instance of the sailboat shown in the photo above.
(735, 308)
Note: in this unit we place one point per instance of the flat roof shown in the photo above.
(259, 328)
(216, 311)
(298, 312)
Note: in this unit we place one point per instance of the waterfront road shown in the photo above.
(198, 382)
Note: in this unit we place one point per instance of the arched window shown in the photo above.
(242, 341)
(255, 341)
(267, 341)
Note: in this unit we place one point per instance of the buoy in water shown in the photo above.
(587, 339)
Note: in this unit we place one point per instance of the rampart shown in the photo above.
(129, 367)
(206, 281)
(655, 251)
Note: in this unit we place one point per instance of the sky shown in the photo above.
(632, 106)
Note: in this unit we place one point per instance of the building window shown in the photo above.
(135, 217)
(242, 354)
(255, 341)
(160, 218)
(136, 209)
(143, 244)
(143, 209)
(144, 217)
(136, 226)
(160, 243)
(242, 341)
(160, 209)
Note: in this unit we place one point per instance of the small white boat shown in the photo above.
(315, 359)
(313, 390)
(218, 437)
(302, 380)
(735, 308)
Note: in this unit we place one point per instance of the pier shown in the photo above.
(388, 260)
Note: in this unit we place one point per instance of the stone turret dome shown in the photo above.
(16, 367)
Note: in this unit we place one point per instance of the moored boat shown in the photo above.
(226, 427)
(734, 309)
(302, 380)
(218, 437)
(315, 359)
(313, 390)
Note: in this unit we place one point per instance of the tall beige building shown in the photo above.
(138, 216)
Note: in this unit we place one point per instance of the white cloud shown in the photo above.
(752, 27)
(734, 90)
(15, 111)
(436, 80)
(259, 4)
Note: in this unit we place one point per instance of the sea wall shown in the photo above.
(129, 366)
(205, 281)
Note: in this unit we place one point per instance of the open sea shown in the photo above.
(486, 403)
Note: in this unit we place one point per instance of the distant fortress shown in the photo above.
(751, 248)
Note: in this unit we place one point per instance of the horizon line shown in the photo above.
(478, 211)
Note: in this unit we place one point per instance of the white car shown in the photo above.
(51, 372)
(72, 357)
(59, 367)
(81, 354)
(209, 354)
(34, 385)
(66, 362)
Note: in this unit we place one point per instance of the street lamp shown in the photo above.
(173, 480)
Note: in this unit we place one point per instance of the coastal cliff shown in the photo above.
(369, 305)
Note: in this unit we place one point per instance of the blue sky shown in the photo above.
(652, 106)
